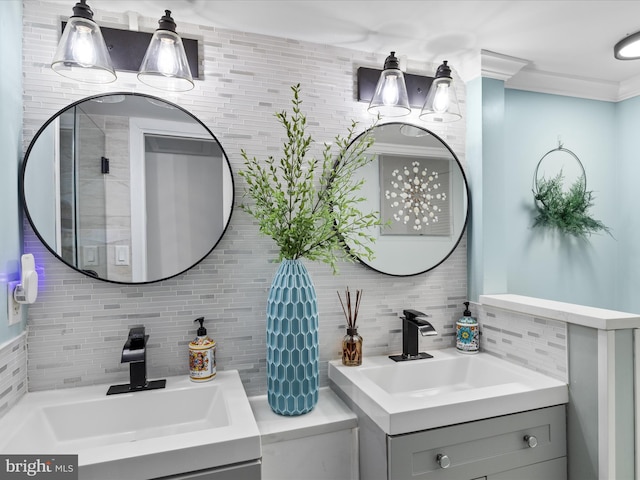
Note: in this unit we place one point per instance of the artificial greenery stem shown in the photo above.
(308, 206)
(566, 211)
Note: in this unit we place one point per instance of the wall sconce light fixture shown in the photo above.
(82, 53)
(390, 97)
(436, 96)
(441, 104)
(628, 48)
(165, 63)
(90, 54)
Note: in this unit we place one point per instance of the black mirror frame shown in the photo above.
(466, 186)
(23, 201)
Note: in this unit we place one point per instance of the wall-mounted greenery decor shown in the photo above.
(561, 208)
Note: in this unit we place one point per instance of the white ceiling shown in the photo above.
(568, 44)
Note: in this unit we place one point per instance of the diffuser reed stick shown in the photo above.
(352, 342)
(351, 314)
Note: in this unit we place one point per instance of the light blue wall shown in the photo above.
(475, 263)
(628, 128)
(10, 153)
(544, 263)
(540, 262)
(485, 158)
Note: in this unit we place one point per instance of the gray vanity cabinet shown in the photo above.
(243, 471)
(528, 445)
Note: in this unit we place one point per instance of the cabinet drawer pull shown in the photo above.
(443, 460)
(532, 442)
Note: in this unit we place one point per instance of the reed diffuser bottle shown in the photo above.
(352, 348)
(352, 342)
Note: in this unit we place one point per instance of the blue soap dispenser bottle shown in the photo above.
(467, 333)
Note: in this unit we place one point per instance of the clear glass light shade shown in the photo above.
(441, 104)
(390, 98)
(82, 53)
(165, 64)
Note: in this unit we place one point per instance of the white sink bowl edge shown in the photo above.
(184, 427)
(450, 388)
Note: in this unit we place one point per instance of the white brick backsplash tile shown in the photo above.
(13, 372)
(539, 344)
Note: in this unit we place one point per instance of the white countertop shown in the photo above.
(184, 427)
(448, 389)
(565, 312)
(329, 415)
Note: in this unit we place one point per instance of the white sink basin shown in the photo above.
(450, 388)
(183, 427)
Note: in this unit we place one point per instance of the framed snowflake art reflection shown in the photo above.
(414, 195)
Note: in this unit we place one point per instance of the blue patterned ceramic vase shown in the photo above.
(292, 341)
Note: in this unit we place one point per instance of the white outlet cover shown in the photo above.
(14, 309)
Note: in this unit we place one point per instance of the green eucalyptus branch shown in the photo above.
(308, 206)
(566, 212)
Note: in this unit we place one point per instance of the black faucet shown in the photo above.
(412, 323)
(134, 353)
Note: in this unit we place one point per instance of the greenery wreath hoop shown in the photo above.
(562, 209)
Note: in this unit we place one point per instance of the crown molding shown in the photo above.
(500, 67)
(519, 74)
(629, 88)
(487, 64)
(570, 86)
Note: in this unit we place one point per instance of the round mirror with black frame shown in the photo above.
(418, 186)
(127, 188)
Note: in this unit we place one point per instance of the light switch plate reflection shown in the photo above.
(122, 255)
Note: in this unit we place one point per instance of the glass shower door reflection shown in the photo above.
(66, 247)
(90, 213)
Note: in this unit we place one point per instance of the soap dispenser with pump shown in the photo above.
(467, 332)
(202, 355)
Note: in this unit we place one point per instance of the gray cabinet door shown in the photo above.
(480, 448)
(549, 470)
(243, 471)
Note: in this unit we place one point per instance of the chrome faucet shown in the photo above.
(134, 353)
(412, 323)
